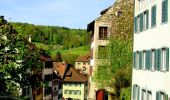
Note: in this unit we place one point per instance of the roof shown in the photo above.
(105, 10)
(90, 26)
(60, 68)
(83, 58)
(74, 76)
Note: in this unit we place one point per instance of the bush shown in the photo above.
(125, 94)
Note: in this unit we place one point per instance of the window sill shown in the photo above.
(163, 23)
(152, 27)
(164, 71)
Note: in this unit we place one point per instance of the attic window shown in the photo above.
(118, 13)
(69, 74)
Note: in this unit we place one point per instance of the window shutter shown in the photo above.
(155, 60)
(147, 19)
(167, 59)
(166, 97)
(134, 88)
(134, 60)
(138, 93)
(159, 60)
(157, 95)
(146, 60)
(164, 11)
(149, 59)
(141, 22)
(136, 24)
(153, 16)
(140, 60)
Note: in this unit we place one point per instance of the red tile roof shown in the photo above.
(83, 58)
(74, 76)
(60, 68)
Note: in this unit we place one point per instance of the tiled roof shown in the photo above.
(84, 58)
(74, 76)
(60, 68)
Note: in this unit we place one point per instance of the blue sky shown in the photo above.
(69, 13)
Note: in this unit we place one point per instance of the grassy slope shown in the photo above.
(69, 55)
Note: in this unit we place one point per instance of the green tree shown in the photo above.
(17, 59)
(58, 57)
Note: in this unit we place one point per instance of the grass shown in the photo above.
(69, 55)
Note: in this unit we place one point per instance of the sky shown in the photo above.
(69, 13)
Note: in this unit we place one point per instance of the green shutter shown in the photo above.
(153, 23)
(159, 60)
(157, 95)
(140, 60)
(134, 60)
(147, 19)
(167, 59)
(134, 88)
(149, 59)
(156, 56)
(146, 60)
(138, 97)
(136, 24)
(166, 97)
(141, 22)
(164, 11)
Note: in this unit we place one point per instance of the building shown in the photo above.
(151, 76)
(100, 29)
(75, 84)
(83, 64)
(60, 69)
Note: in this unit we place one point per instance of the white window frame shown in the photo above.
(149, 95)
(144, 60)
(144, 95)
(153, 59)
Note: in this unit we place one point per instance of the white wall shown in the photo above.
(152, 38)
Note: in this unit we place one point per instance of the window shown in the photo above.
(153, 59)
(141, 22)
(102, 52)
(165, 59)
(136, 92)
(146, 20)
(102, 33)
(144, 94)
(161, 95)
(149, 95)
(164, 11)
(148, 60)
(153, 14)
(70, 92)
(65, 91)
(84, 63)
(144, 60)
(136, 60)
(136, 24)
(84, 68)
(78, 63)
(140, 60)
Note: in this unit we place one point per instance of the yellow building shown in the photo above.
(75, 85)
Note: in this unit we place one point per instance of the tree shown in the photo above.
(58, 57)
(17, 59)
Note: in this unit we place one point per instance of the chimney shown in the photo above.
(29, 38)
(2, 17)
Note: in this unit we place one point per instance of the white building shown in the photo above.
(151, 76)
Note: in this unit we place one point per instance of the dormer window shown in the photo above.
(103, 33)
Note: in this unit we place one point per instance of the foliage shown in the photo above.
(120, 51)
(58, 57)
(16, 60)
(125, 94)
(54, 35)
